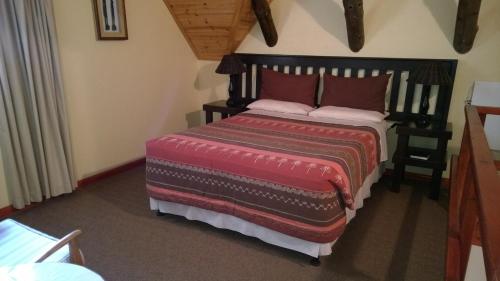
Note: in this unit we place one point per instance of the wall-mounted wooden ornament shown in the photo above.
(466, 26)
(265, 18)
(353, 10)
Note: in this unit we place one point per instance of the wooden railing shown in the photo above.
(474, 209)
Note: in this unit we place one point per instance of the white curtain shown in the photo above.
(34, 135)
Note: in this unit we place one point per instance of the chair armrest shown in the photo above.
(75, 254)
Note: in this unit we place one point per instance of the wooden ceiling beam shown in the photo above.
(263, 13)
(353, 10)
(466, 26)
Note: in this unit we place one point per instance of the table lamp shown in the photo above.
(232, 65)
(428, 75)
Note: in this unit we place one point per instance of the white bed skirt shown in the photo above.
(267, 235)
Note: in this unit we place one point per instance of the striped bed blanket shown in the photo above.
(292, 176)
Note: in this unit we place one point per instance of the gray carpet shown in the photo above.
(394, 237)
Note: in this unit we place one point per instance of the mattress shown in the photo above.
(294, 175)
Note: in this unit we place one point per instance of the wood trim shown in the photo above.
(486, 182)
(488, 110)
(445, 182)
(6, 212)
(9, 210)
(453, 244)
(476, 236)
(110, 172)
(474, 201)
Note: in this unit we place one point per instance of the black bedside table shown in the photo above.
(434, 159)
(221, 107)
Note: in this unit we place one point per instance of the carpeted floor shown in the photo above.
(394, 237)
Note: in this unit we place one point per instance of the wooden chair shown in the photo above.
(22, 244)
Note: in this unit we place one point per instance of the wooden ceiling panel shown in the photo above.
(206, 21)
(213, 28)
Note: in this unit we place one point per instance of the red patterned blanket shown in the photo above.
(292, 176)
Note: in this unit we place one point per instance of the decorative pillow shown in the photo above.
(288, 87)
(347, 113)
(281, 106)
(362, 93)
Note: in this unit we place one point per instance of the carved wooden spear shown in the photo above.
(466, 25)
(265, 18)
(354, 22)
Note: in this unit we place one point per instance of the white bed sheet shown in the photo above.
(270, 236)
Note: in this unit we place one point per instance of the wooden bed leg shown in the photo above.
(159, 213)
(315, 261)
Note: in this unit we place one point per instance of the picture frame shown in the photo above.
(110, 19)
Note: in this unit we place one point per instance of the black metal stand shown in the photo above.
(423, 120)
(315, 261)
(234, 100)
(159, 214)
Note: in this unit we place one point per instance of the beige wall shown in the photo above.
(396, 28)
(121, 93)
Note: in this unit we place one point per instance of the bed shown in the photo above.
(291, 180)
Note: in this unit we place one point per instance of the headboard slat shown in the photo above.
(410, 91)
(354, 72)
(249, 81)
(441, 100)
(303, 69)
(369, 65)
(396, 80)
(258, 81)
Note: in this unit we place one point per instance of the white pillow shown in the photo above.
(347, 113)
(281, 106)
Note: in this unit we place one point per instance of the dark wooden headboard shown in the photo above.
(350, 66)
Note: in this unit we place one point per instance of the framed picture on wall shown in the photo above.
(110, 18)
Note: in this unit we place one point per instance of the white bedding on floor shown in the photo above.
(270, 236)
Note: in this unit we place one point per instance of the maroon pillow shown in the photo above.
(288, 87)
(362, 93)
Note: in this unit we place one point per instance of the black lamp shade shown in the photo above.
(430, 74)
(230, 64)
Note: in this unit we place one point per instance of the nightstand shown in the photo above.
(221, 107)
(431, 158)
